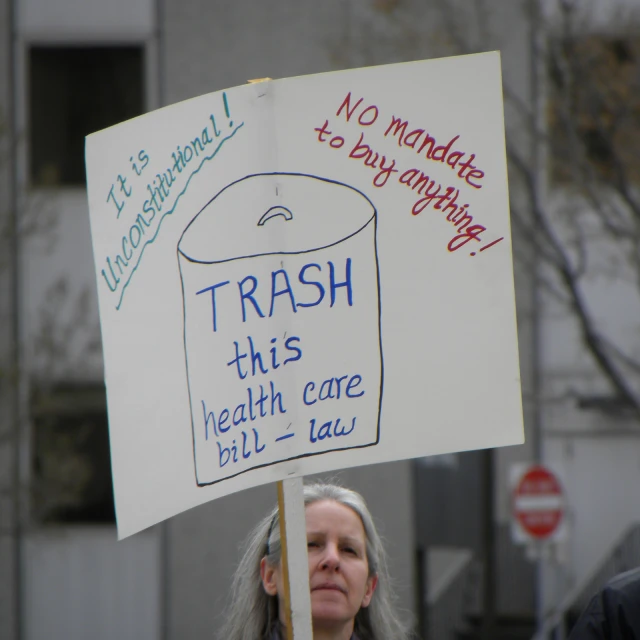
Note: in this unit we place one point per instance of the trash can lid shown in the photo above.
(274, 213)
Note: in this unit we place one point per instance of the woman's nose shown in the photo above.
(331, 557)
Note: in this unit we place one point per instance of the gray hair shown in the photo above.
(252, 612)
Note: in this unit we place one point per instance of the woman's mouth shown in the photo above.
(329, 586)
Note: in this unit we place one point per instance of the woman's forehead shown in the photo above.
(325, 515)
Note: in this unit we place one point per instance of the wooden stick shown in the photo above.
(295, 565)
(284, 553)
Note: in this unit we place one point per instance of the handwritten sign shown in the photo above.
(161, 191)
(265, 313)
(302, 275)
(430, 193)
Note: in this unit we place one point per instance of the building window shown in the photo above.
(71, 480)
(74, 91)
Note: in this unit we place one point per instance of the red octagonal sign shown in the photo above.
(539, 502)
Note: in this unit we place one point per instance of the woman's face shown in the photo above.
(338, 568)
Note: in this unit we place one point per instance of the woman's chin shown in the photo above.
(329, 610)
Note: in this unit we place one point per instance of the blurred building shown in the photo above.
(68, 68)
(71, 68)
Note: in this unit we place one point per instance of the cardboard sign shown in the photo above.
(302, 275)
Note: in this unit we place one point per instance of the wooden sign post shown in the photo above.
(295, 566)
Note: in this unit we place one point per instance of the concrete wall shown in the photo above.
(601, 473)
(91, 20)
(209, 46)
(80, 582)
(598, 457)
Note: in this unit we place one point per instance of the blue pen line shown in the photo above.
(170, 211)
(226, 104)
(289, 435)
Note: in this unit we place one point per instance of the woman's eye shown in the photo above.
(351, 551)
(312, 545)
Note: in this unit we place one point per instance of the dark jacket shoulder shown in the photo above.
(614, 612)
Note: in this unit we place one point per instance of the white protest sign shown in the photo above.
(302, 275)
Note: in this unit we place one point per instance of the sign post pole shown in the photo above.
(295, 566)
(538, 518)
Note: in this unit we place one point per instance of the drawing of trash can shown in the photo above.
(282, 341)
